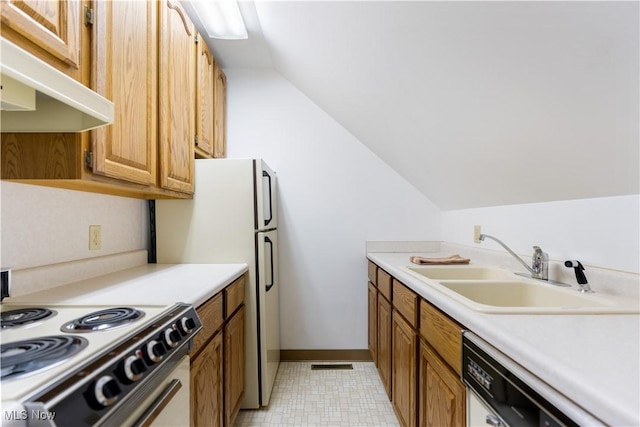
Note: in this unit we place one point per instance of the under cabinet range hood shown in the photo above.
(35, 97)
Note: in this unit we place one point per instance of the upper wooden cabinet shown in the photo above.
(220, 113)
(205, 71)
(141, 55)
(177, 98)
(125, 70)
(48, 29)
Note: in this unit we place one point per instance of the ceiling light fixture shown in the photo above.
(221, 19)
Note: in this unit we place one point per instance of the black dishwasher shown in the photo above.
(510, 401)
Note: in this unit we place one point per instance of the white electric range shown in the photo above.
(89, 365)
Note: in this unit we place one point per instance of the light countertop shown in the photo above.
(149, 284)
(593, 361)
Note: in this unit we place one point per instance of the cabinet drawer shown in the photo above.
(210, 314)
(234, 296)
(442, 333)
(372, 273)
(406, 302)
(384, 283)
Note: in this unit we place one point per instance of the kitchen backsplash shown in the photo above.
(45, 234)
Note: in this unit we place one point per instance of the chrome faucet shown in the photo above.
(539, 263)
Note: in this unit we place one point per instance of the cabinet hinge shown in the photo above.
(88, 16)
(196, 140)
(197, 38)
(88, 159)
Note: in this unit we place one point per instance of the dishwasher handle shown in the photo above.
(494, 421)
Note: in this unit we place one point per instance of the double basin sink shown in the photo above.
(494, 290)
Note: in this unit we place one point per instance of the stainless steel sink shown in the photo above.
(494, 290)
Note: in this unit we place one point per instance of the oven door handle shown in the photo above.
(158, 405)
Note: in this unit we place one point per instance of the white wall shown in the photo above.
(602, 232)
(42, 225)
(334, 195)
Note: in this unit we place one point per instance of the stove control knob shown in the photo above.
(171, 337)
(103, 392)
(187, 325)
(130, 370)
(153, 351)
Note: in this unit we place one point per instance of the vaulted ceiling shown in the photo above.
(474, 103)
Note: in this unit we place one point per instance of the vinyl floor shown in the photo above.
(324, 398)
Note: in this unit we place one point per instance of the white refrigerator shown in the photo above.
(232, 218)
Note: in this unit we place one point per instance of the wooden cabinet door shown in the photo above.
(404, 370)
(442, 398)
(48, 29)
(384, 343)
(233, 365)
(373, 323)
(206, 385)
(177, 98)
(220, 114)
(125, 71)
(205, 71)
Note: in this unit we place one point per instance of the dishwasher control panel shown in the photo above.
(511, 400)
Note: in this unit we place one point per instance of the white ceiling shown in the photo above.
(474, 103)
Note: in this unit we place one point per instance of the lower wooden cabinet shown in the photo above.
(417, 353)
(442, 394)
(384, 343)
(217, 359)
(207, 385)
(233, 365)
(373, 323)
(403, 372)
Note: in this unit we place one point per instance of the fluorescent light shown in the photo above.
(221, 19)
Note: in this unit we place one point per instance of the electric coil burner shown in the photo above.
(21, 358)
(103, 320)
(25, 317)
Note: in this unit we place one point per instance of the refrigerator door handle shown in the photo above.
(268, 219)
(270, 243)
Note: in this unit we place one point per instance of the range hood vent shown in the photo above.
(35, 97)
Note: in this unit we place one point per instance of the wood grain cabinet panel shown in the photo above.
(442, 394)
(233, 365)
(384, 343)
(212, 317)
(443, 334)
(207, 385)
(406, 302)
(220, 113)
(48, 29)
(384, 284)
(176, 98)
(404, 370)
(205, 75)
(234, 296)
(372, 271)
(373, 322)
(125, 71)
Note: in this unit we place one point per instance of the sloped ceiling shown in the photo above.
(474, 103)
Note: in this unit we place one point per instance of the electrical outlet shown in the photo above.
(95, 237)
(476, 233)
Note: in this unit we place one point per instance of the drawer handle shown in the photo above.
(158, 405)
(494, 421)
